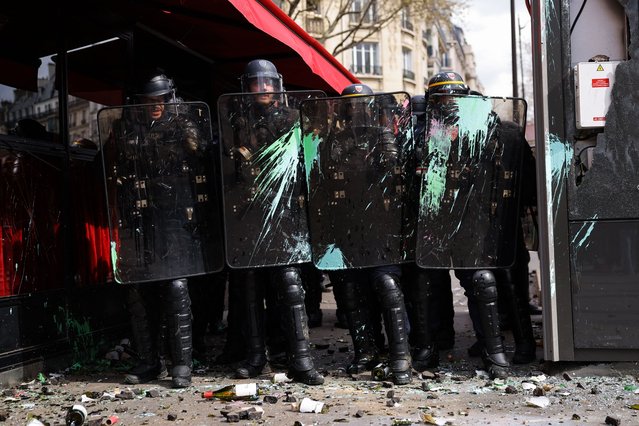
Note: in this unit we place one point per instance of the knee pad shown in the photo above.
(177, 295)
(289, 286)
(485, 286)
(388, 291)
(178, 289)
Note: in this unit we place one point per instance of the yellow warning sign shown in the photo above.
(600, 68)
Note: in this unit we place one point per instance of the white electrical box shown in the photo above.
(593, 87)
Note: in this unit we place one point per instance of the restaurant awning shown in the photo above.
(269, 18)
(225, 34)
(234, 32)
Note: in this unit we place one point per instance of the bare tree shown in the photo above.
(365, 18)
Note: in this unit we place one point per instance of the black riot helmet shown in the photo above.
(418, 104)
(261, 75)
(357, 90)
(357, 111)
(447, 83)
(158, 85)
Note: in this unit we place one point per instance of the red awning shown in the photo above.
(233, 32)
(266, 16)
(224, 34)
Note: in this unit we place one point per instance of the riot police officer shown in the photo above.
(155, 150)
(358, 292)
(269, 119)
(429, 295)
(512, 282)
(480, 285)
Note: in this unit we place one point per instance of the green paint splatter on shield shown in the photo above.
(434, 181)
(310, 144)
(475, 120)
(332, 259)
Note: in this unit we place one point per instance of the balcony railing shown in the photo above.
(366, 69)
(315, 25)
(409, 74)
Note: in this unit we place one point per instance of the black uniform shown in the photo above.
(157, 153)
(512, 283)
(364, 141)
(269, 119)
(429, 294)
(477, 167)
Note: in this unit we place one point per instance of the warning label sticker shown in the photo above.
(600, 68)
(600, 82)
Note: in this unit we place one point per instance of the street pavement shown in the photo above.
(458, 392)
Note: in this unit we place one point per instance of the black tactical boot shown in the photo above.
(148, 367)
(365, 352)
(179, 325)
(253, 313)
(424, 354)
(496, 363)
(394, 311)
(357, 317)
(251, 366)
(291, 296)
(515, 287)
(143, 372)
(485, 290)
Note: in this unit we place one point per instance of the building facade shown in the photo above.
(42, 106)
(400, 54)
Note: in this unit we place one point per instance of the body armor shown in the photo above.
(161, 195)
(262, 165)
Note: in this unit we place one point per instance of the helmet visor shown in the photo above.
(256, 84)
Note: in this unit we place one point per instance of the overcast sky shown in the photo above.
(486, 25)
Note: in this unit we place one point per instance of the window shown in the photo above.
(313, 6)
(366, 59)
(368, 7)
(407, 59)
(446, 62)
(407, 24)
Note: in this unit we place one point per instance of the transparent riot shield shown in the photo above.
(412, 168)
(353, 150)
(161, 193)
(470, 183)
(263, 177)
